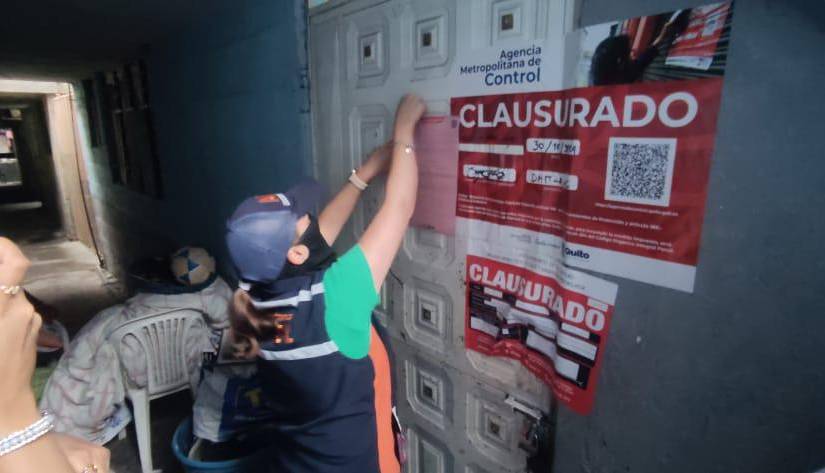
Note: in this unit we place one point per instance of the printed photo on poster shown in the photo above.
(679, 45)
(697, 45)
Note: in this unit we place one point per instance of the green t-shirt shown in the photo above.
(349, 296)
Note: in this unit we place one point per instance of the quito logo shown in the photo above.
(576, 253)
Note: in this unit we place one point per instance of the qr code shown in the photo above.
(640, 170)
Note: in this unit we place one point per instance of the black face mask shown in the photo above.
(321, 256)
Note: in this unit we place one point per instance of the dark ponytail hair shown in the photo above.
(248, 325)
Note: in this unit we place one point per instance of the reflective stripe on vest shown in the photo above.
(302, 296)
(303, 353)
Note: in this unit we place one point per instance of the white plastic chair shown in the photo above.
(162, 336)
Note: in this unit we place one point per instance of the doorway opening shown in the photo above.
(43, 182)
(29, 203)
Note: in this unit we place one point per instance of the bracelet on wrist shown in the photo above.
(21, 438)
(407, 147)
(357, 181)
(9, 290)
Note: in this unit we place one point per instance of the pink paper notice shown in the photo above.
(436, 147)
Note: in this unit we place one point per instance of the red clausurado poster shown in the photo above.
(612, 178)
(552, 319)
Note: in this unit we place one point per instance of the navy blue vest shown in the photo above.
(323, 401)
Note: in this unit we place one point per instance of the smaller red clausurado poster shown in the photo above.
(554, 320)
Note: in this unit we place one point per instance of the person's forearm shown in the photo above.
(384, 235)
(337, 212)
(339, 209)
(402, 181)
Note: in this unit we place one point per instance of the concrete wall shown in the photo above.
(230, 111)
(730, 378)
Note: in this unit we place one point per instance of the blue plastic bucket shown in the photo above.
(182, 442)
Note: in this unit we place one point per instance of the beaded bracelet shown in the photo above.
(9, 290)
(21, 438)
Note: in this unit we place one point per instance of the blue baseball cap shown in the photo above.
(262, 229)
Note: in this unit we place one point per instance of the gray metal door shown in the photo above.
(364, 55)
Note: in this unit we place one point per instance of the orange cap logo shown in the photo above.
(268, 198)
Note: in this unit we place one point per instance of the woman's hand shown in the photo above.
(13, 264)
(377, 162)
(409, 111)
(82, 454)
(19, 325)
